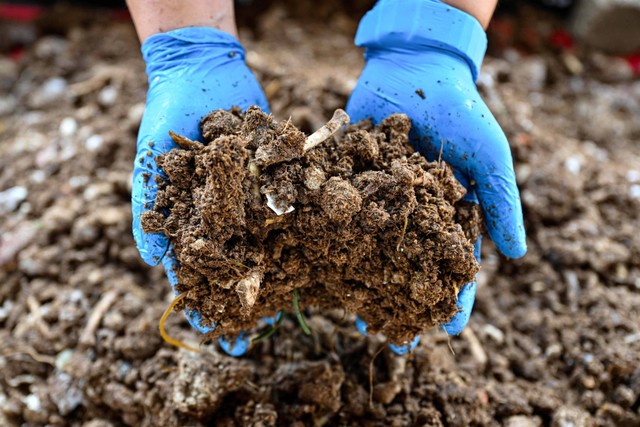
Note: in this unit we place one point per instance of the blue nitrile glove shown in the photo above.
(191, 71)
(422, 59)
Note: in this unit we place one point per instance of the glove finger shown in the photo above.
(466, 298)
(237, 347)
(152, 246)
(361, 326)
(171, 265)
(178, 105)
(495, 186)
(401, 350)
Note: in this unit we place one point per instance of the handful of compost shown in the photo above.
(262, 214)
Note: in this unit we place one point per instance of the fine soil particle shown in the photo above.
(367, 224)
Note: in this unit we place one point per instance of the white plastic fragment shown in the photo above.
(108, 96)
(573, 165)
(494, 333)
(271, 202)
(11, 198)
(63, 358)
(633, 175)
(68, 127)
(33, 403)
(93, 142)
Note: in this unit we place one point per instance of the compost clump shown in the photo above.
(359, 221)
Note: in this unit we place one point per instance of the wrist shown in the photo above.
(433, 26)
(160, 16)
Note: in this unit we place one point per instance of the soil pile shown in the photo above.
(360, 222)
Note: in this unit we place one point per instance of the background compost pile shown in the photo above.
(554, 338)
(372, 227)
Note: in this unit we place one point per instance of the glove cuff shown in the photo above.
(187, 44)
(418, 24)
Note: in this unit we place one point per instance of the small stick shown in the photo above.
(339, 119)
(34, 309)
(185, 142)
(88, 334)
(475, 347)
(24, 349)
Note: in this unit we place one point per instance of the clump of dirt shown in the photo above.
(360, 222)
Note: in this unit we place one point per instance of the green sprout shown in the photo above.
(296, 307)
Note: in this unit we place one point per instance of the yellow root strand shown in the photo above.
(165, 316)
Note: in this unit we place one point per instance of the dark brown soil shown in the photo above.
(372, 228)
(554, 339)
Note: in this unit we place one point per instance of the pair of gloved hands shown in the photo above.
(425, 68)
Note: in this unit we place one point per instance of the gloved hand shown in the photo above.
(422, 59)
(191, 71)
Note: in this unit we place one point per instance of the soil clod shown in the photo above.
(261, 214)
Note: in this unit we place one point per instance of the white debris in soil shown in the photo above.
(633, 175)
(523, 421)
(68, 127)
(63, 358)
(571, 416)
(64, 393)
(93, 142)
(7, 105)
(634, 191)
(51, 90)
(38, 176)
(49, 47)
(573, 164)
(32, 402)
(494, 333)
(108, 96)
(47, 155)
(29, 141)
(78, 181)
(11, 198)
(12, 242)
(5, 309)
(271, 202)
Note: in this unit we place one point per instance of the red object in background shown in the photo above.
(29, 12)
(121, 14)
(20, 12)
(561, 39)
(634, 63)
(16, 53)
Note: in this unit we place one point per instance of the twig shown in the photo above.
(339, 119)
(102, 74)
(185, 142)
(34, 309)
(450, 346)
(476, 349)
(24, 349)
(88, 337)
